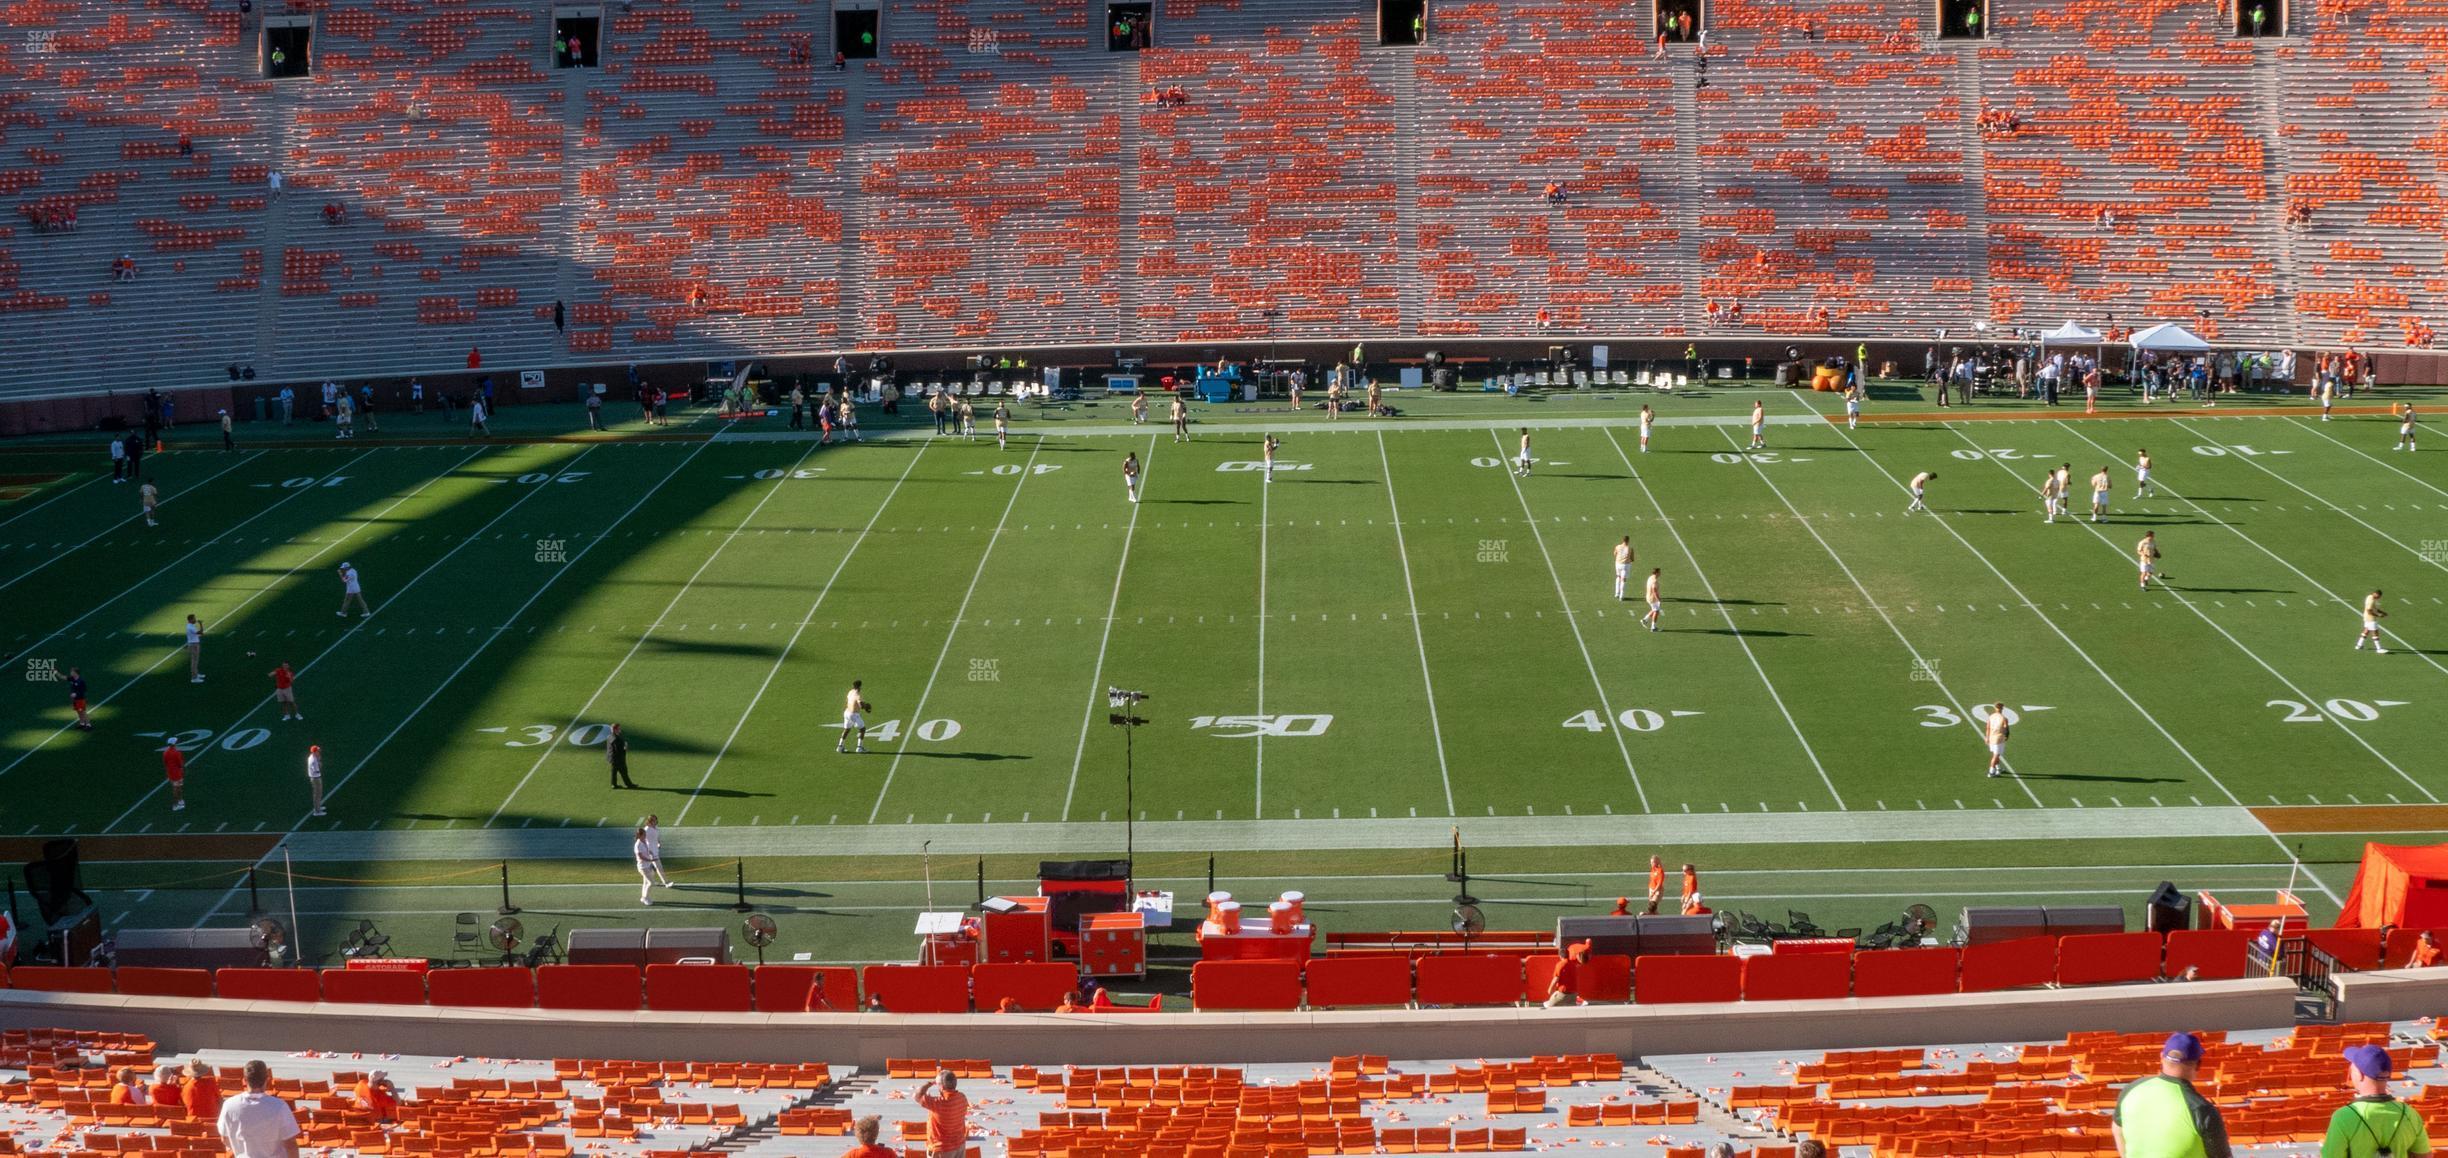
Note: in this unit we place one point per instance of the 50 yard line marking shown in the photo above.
(1710, 590)
(1417, 636)
(1113, 605)
(1570, 620)
(554, 744)
(793, 643)
(918, 710)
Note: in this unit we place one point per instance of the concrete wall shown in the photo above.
(276, 1028)
(2393, 995)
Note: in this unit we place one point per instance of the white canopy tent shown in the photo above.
(2070, 334)
(2170, 337)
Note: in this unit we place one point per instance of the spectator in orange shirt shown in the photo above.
(1623, 907)
(202, 1092)
(1657, 882)
(866, 1131)
(375, 1093)
(1691, 890)
(947, 1115)
(2426, 952)
(129, 1089)
(1565, 988)
(166, 1090)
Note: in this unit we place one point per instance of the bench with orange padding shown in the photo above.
(1905, 972)
(60, 979)
(1797, 976)
(787, 988)
(2354, 948)
(2108, 958)
(267, 984)
(1605, 977)
(1471, 980)
(488, 987)
(698, 988)
(612, 987)
(154, 981)
(1034, 986)
(373, 987)
(1679, 979)
(2018, 964)
(2219, 954)
(1337, 982)
(918, 988)
(1259, 985)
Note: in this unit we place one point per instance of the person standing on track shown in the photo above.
(1853, 401)
(1648, 419)
(854, 719)
(2142, 483)
(2146, 556)
(1130, 475)
(476, 417)
(151, 496)
(1918, 487)
(2372, 615)
(2328, 396)
(1623, 567)
(1181, 420)
(195, 651)
(228, 441)
(350, 592)
(1521, 458)
(284, 692)
(652, 830)
(2405, 430)
(849, 418)
(1759, 425)
(1995, 729)
(1657, 882)
(174, 772)
(314, 776)
(616, 754)
(1002, 420)
(1266, 450)
(76, 700)
(2100, 485)
(1691, 890)
(1656, 604)
(643, 855)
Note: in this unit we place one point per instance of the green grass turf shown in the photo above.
(1454, 622)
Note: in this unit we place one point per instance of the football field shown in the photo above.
(1393, 637)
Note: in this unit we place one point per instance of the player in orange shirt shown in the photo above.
(174, 770)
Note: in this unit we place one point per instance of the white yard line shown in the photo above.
(4, 523)
(175, 652)
(191, 488)
(1266, 489)
(1709, 589)
(345, 635)
(1570, 620)
(793, 642)
(918, 710)
(2314, 427)
(1418, 636)
(166, 568)
(554, 744)
(1113, 607)
(513, 617)
(2351, 606)
(2214, 625)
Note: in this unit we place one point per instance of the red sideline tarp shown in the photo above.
(2398, 885)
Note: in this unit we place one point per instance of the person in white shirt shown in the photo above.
(652, 831)
(854, 719)
(195, 651)
(1647, 420)
(1623, 565)
(314, 775)
(351, 593)
(257, 1125)
(643, 853)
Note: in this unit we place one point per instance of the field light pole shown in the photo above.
(1121, 700)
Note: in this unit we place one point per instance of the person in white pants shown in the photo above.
(646, 866)
(654, 847)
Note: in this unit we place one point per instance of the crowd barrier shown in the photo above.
(1358, 981)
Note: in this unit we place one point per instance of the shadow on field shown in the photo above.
(2237, 590)
(2092, 779)
(966, 755)
(1743, 633)
(669, 646)
(1203, 502)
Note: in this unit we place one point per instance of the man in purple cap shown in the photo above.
(2374, 1124)
(2163, 1117)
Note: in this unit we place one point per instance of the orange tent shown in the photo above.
(2398, 885)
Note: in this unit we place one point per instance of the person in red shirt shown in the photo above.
(284, 692)
(174, 770)
(947, 1115)
(202, 1092)
(129, 1089)
(1623, 907)
(1566, 987)
(166, 1088)
(1657, 882)
(865, 1131)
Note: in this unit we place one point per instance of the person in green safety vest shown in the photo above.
(2163, 1117)
(2374, 1123)
(1972, 21)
